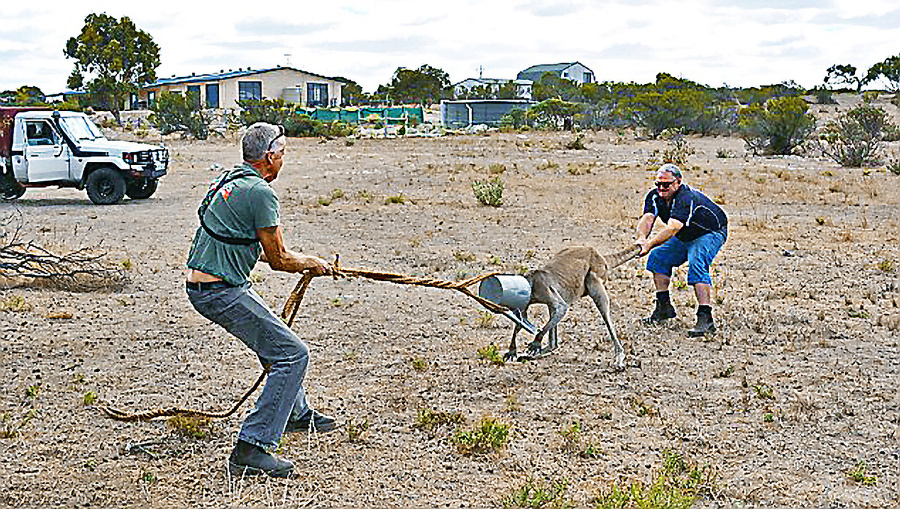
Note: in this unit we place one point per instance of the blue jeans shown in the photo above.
(699, 253)
(245, 315)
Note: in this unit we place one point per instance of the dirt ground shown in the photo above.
(795, 390)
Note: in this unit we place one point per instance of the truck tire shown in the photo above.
(105, 186)
(140, 189)
(11, 191)
(9, 188)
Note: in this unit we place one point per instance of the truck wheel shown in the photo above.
(105, 186)
(9, 188)
(11, 191)
(139, 189)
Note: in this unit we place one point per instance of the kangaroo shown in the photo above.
(573, 273)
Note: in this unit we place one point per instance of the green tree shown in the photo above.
(889, 69)
(28, 95)
(507, 90)
(352, 93)
(173, 112)
(118, 55)
(776, 128)
(554, 113)
(844, 74)
(551, 86)
(425, 85)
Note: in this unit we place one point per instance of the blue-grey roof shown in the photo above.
(535, 72)
(223, 75)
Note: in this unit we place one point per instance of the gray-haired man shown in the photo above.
(239, 225)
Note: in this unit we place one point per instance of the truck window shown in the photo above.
(80, 128)
(39, 133)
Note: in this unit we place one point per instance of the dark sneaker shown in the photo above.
(251, 460)
(663, 311)
(322, 422)
(705, 325)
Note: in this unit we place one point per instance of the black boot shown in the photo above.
(664, 309)
(705, 323)
(248, 459)
(321, 422)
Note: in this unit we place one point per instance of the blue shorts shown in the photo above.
(699, 253)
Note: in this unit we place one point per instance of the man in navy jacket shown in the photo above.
(694, 230)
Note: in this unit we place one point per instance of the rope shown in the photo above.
(293, 301)
(291, 306)
(121, 415)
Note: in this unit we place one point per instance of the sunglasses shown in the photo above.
(664, 185)
(280, 135)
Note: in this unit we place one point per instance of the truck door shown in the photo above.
(46, 157)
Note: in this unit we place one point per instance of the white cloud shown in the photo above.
(739, 42)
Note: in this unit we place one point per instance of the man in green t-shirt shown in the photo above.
(239, 226)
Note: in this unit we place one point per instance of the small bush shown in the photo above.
(677, 486)
(536, 494)
(355, 430)
(492, 354)
(858, 474)
(678, 148)
(189, 425)
(15, 303)
(853, 139)
(778, 127)
(489, 192)
(429, 419)
(488, 436)
(89, 398)
(173, 112)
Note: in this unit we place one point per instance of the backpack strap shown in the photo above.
(234, 241)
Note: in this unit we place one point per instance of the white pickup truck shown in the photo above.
(41, 148)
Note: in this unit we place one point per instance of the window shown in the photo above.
(151, 98)
(212, 96)
(317, 94)
(39, 133)
(193, 95)
(588, 77)
(249, 90)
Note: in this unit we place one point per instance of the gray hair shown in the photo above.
(258, 138)
(671, 169)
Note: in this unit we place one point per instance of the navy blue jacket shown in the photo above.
(699, 214)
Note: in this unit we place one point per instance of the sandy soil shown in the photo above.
(807, 297)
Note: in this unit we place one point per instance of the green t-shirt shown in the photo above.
(237, 210)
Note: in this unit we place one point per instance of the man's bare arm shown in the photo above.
(280, 258)
(669, 230)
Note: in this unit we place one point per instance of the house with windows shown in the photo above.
(574, 71)
(223, 89)
(465, 88)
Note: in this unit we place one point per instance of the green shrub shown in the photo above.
(296, 124)
(489, 192)
(173, 112)
(778, 127)
(678, 148)
(515, 119)
(488, 436)
(536, 494)
(853, 139)
(823, 96)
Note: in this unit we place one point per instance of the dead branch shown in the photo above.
(23, 263)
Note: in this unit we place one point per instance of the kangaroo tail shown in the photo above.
(613, 260)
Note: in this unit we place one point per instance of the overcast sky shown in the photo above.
(739, 42)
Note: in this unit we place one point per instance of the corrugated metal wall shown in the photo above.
(459, 114)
